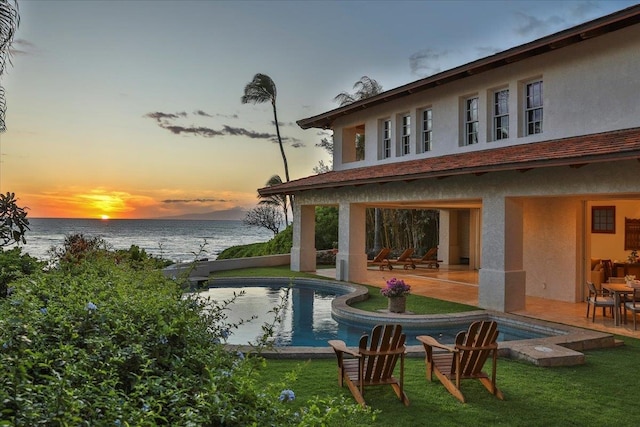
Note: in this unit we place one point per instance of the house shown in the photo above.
(531, 155)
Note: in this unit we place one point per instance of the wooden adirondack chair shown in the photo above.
(373, 362)
(464, 360)
(404, 259)
(381, 259)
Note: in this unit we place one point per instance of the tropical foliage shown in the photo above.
(13, 220)
(364, 88)
(105, 344)
(404, 228)
(278, 201)
(9, 20)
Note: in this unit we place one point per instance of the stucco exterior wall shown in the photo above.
(553, 240)
(589, 87)
(533, 223)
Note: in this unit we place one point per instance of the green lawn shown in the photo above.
(602, 392)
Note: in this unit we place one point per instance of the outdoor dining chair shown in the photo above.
(596, 299)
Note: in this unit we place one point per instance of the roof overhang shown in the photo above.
(571, 152)
(597, 27)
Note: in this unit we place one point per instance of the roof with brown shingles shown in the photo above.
(574, 151)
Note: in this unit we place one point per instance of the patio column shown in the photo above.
(351, 260)
(303, 248)
(502, 278)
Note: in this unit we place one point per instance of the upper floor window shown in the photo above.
(533, 108)
(427, 128)
(406, 135)
(385, 143)
(471, 121)
(501, 114)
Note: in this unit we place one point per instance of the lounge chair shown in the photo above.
(429, 259)
(404, 259)
(465, 359)
(373, 362)
(381, 259)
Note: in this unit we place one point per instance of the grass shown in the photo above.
(599, 393)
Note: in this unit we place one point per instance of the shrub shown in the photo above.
(105, 344)
(280, 244)
(14, 264)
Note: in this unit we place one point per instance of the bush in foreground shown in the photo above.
(106, 344)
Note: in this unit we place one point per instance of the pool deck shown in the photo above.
(572, 332)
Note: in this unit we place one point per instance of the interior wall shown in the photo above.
(551, 241)
(611, 246)
(464, 228)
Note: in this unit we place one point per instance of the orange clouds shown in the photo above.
(101, 202)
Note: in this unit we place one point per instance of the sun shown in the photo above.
(104, 217)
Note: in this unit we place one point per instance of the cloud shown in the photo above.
(22, 47)
(245, 132)
(426, 62)
(584, 9)
(282, 124)
(166, 121)
(193, 130)
(196, 201)
(484, 51)
(161, 117)
(529, 25)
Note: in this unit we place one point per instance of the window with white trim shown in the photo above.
(533, 108)
(405, 138)
(427, 130)
(385, 142)
(501, 114)
(471, 121)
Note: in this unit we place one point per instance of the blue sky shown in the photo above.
(132, 109)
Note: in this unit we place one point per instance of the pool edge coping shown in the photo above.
(563, 349)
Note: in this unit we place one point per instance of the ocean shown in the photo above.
(176, 240)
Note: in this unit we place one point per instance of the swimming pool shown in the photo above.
(310, 320)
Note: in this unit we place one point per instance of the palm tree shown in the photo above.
(278, 200)
(260, 90)
(9, 20)
(365, 88)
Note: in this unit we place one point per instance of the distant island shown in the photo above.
(226, 215)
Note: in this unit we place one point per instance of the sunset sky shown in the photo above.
(131, 109)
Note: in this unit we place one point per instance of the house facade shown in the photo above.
(531, 155)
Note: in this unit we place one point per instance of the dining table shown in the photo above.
(620, 292)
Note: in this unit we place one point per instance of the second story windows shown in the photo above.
(501, 114)
(385, 143)
(533, 108)
(471, 121)
(427, 130)
(405, 139)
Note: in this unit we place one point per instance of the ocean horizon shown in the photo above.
(179, 240)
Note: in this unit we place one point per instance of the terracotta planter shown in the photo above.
(397, 304)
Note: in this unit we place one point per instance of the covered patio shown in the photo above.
(459, 283)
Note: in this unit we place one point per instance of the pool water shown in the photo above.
(307, 319)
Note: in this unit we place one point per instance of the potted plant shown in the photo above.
(396, 291)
